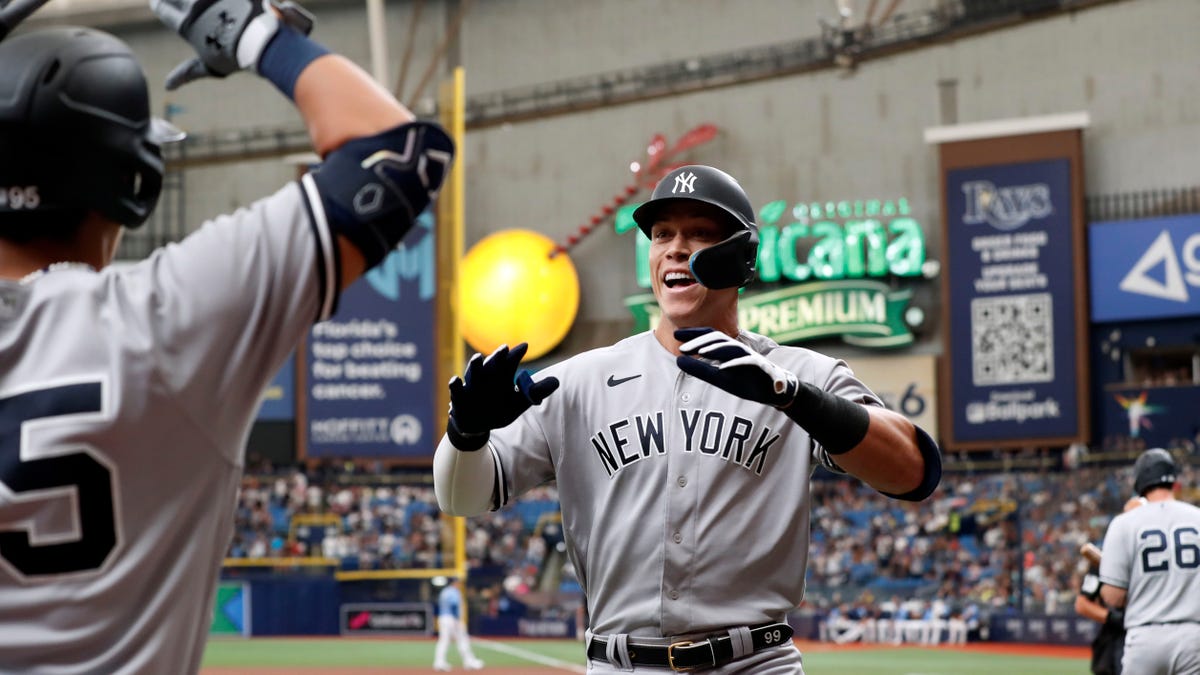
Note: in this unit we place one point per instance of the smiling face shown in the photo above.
(682, 228)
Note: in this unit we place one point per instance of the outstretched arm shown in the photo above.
(491, 394)
(877, 445)
(889, 458)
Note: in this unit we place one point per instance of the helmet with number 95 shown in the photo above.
(76, 132)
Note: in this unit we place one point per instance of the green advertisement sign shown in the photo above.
(863, 313)
(231, 610)
(827, 263)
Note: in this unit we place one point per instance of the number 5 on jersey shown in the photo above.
(31, 474)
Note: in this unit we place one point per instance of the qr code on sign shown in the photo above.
(1012, 339)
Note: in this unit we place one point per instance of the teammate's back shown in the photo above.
(127, 394)
(121, 431)
(1156, 547)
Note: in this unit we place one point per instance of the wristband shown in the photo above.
(932, 475)
(286, 56)
(838, 424)
(464, 441)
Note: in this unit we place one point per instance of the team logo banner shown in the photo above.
(1011, 301)
(1145, 269)
(369, 367)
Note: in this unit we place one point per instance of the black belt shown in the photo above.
(710, 653)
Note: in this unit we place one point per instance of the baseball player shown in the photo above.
(126, 395)
(1151, 569)
(682, 454)
(1109, 643)
(451, 627)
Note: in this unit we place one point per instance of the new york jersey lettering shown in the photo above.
(708, 432)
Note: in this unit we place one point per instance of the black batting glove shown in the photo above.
(724, 362)
(838, 424)
(491, 394)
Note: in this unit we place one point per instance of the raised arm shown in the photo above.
(371, 144)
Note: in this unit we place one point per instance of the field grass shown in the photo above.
(335, 655)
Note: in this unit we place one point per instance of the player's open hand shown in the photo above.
(491, 394)
(721, 360)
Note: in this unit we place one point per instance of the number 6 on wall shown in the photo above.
(33, 472)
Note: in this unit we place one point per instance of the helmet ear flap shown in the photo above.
(729, 264)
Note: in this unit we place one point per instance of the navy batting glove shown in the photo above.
(722, 361)
(491, 395)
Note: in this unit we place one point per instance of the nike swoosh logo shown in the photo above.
(613, 381)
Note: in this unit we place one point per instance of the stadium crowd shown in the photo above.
(879, 569)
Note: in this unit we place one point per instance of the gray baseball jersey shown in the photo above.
(1153, 552)
(685, 508)
(126, 397)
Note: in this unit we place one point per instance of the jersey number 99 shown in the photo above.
(54, 473)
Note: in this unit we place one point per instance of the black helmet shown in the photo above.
(75, 126)
(1153, 467)
(730, 263)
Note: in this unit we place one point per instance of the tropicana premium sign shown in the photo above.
(824, 271)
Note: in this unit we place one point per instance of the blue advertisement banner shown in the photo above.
(1145, 269)
(370, 386)
(1057, 629)
(279, 398)
(1012, 302)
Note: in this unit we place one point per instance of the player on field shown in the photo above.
(1150, 568)
(682, 454)
(450, 628)
(126, 395)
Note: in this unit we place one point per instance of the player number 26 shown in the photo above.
(1186, 549)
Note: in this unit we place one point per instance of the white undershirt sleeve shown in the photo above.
(464, 482)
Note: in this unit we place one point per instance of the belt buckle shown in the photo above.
(671, 656)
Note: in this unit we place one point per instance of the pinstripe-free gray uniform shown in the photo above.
(1153, 552)
(685, 508)
(126, 397)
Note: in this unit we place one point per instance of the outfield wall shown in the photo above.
(273, 604)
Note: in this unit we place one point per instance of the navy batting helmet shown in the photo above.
(730, 263)
(1154, 467)
(75, 127)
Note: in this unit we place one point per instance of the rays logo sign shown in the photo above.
(1005, 208)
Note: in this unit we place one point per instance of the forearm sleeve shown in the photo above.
(464, 482)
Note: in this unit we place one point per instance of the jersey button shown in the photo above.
(678, 538)
(674, 595)
(682, 481)
(685, 398)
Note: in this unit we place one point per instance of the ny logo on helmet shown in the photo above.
(684, 182)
